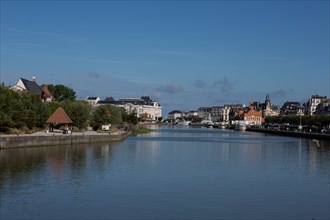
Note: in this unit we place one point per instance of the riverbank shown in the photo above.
(291, 133)
(58, 138)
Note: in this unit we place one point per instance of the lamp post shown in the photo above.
(300, 113)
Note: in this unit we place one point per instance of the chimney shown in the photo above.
(34, 79)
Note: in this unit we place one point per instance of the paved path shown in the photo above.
(60, 132)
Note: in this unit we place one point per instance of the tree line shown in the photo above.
(320, 121)
(26, 112)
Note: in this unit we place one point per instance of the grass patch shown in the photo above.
(141, 130)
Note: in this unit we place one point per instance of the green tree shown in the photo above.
(62, 92)
(78, 111)
(52, 106)
(41, 112)
(106, 114)
(130, 117)
(21, 109)
(315, 120)
(8, 98)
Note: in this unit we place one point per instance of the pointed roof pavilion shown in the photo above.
(59, 117)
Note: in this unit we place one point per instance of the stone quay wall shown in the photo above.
(15, 141)
(292, 133)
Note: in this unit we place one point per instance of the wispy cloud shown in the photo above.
(168, 52)
(93, 75)
(27, 44)
(143, 80)
(171, 88)
(271, 58)
(36, 32)
(199, 83)
(115, 61)
(282, 93)
(49, 34)
(224, 85)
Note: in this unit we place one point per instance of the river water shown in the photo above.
(171, 173)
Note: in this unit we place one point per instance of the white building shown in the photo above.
(144, 107)
(27, 86)
(313, 102)
(220, 113)
(204, 112)
(174, 115)
(92, 100)
(150, 112)
(191, 114)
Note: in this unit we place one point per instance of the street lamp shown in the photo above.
(300, 113)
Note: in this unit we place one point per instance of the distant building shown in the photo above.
(291, 108)
(92, 100)
(220, 113)
(145, 108)
(191, 114)
(312, 103)
(234, 106)
(203, 112)
(268, 109)
(235, 111)
(46, 95)
(323, 108)
(173, 115)
(24, 85)
(31, 86)
(253, 116)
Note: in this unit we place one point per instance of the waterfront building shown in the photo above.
(175, 114)
(216, 113)
(145, 108)
(323, 108)
(191, 114)
(291, 108)
(312, 103)
(253, 115)
(236, 111)
(220, 113)
(203, 112)
(268, 109)
(234, 106)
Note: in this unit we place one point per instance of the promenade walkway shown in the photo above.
(292, 133)
(60, 133)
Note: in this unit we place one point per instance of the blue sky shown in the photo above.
(184, 54)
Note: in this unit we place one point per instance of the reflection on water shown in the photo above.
(170, 173)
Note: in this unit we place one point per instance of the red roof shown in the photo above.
(59, 117)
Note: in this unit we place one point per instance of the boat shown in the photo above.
(183, 122)
(207, 123)
(240, 127)
(223, 125)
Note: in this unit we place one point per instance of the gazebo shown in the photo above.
(59, 117)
